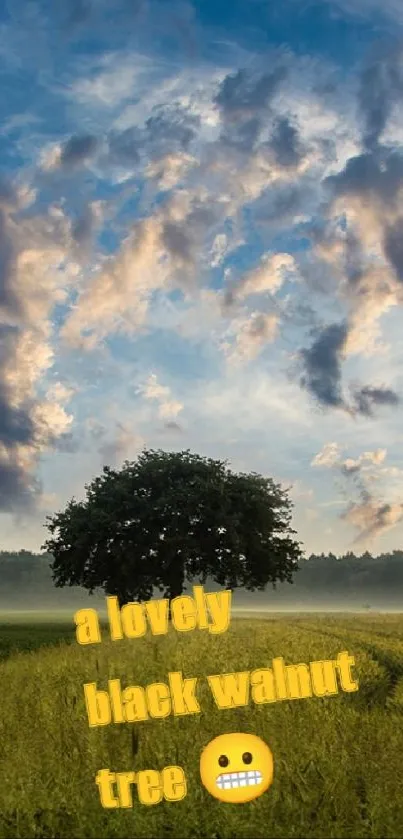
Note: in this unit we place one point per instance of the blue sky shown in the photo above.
(200, 247)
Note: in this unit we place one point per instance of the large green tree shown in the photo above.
(169, 519)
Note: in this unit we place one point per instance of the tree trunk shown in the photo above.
(122, 599)
(175, 589)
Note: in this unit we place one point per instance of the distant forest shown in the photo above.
(349, 581)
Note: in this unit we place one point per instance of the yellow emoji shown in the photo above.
(236, 767)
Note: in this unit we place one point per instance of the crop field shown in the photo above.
(338, 761)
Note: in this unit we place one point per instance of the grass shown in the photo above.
(338, 761)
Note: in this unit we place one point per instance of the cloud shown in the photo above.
(247, 335)
(322, 375)
(244, 102)
(69, 156)
(124, 147)
(372, 518)
(170, 127)
(365, 460)
(116, 299)
(171, 425)
(393, 247)
(328, 456)
(164, 251)
(124, 443)
(381, 87)
(77, 150)
(322, 365)
(33, 279)
(160, 144)
(168, 408)
(369, 515)
(367, 397)
(366, 256)
(285, 143)
(268, 276)
(219, 249)
(370, 9)
(243, 94)
(111, 81)
(241, 207)
(170, 170)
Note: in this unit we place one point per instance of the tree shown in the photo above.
(168, 519)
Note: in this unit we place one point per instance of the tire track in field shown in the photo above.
(392, 667)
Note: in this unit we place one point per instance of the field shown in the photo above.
(338, 761)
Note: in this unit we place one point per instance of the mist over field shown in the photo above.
(321, 584)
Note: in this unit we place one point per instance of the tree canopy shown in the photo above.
(169, 519)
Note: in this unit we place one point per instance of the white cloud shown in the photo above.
(369, 8)
(328, 456)
(219, 249)
(168, 408)
(269, 275)
(247, 335)
(170, 170)
(113, 81)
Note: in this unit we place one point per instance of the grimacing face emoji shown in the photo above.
(236, 767)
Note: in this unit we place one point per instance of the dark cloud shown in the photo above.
(8, 196)
(17, 489)
(376, 175)
(243, 100)
(322, 376)
(82, 228)
(376, 178)
(242, 95)
(285, 143)
(242, 135)
(354, 259)
(77, 151)
(368, 397)
(173, 426)
(16, 425)
(322, 364)
(348, 470)
(259, 327)
(177, 241)
(125, 146)
(393, 247)
(280, 204)
(185, 240)
(16, 428)
(170, 128)
(381, 86)
(8, 202)
(8, 298)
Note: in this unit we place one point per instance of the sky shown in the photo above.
(201, 247)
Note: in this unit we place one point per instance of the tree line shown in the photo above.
(27, 577)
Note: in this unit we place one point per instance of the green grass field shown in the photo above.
(338, 761)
